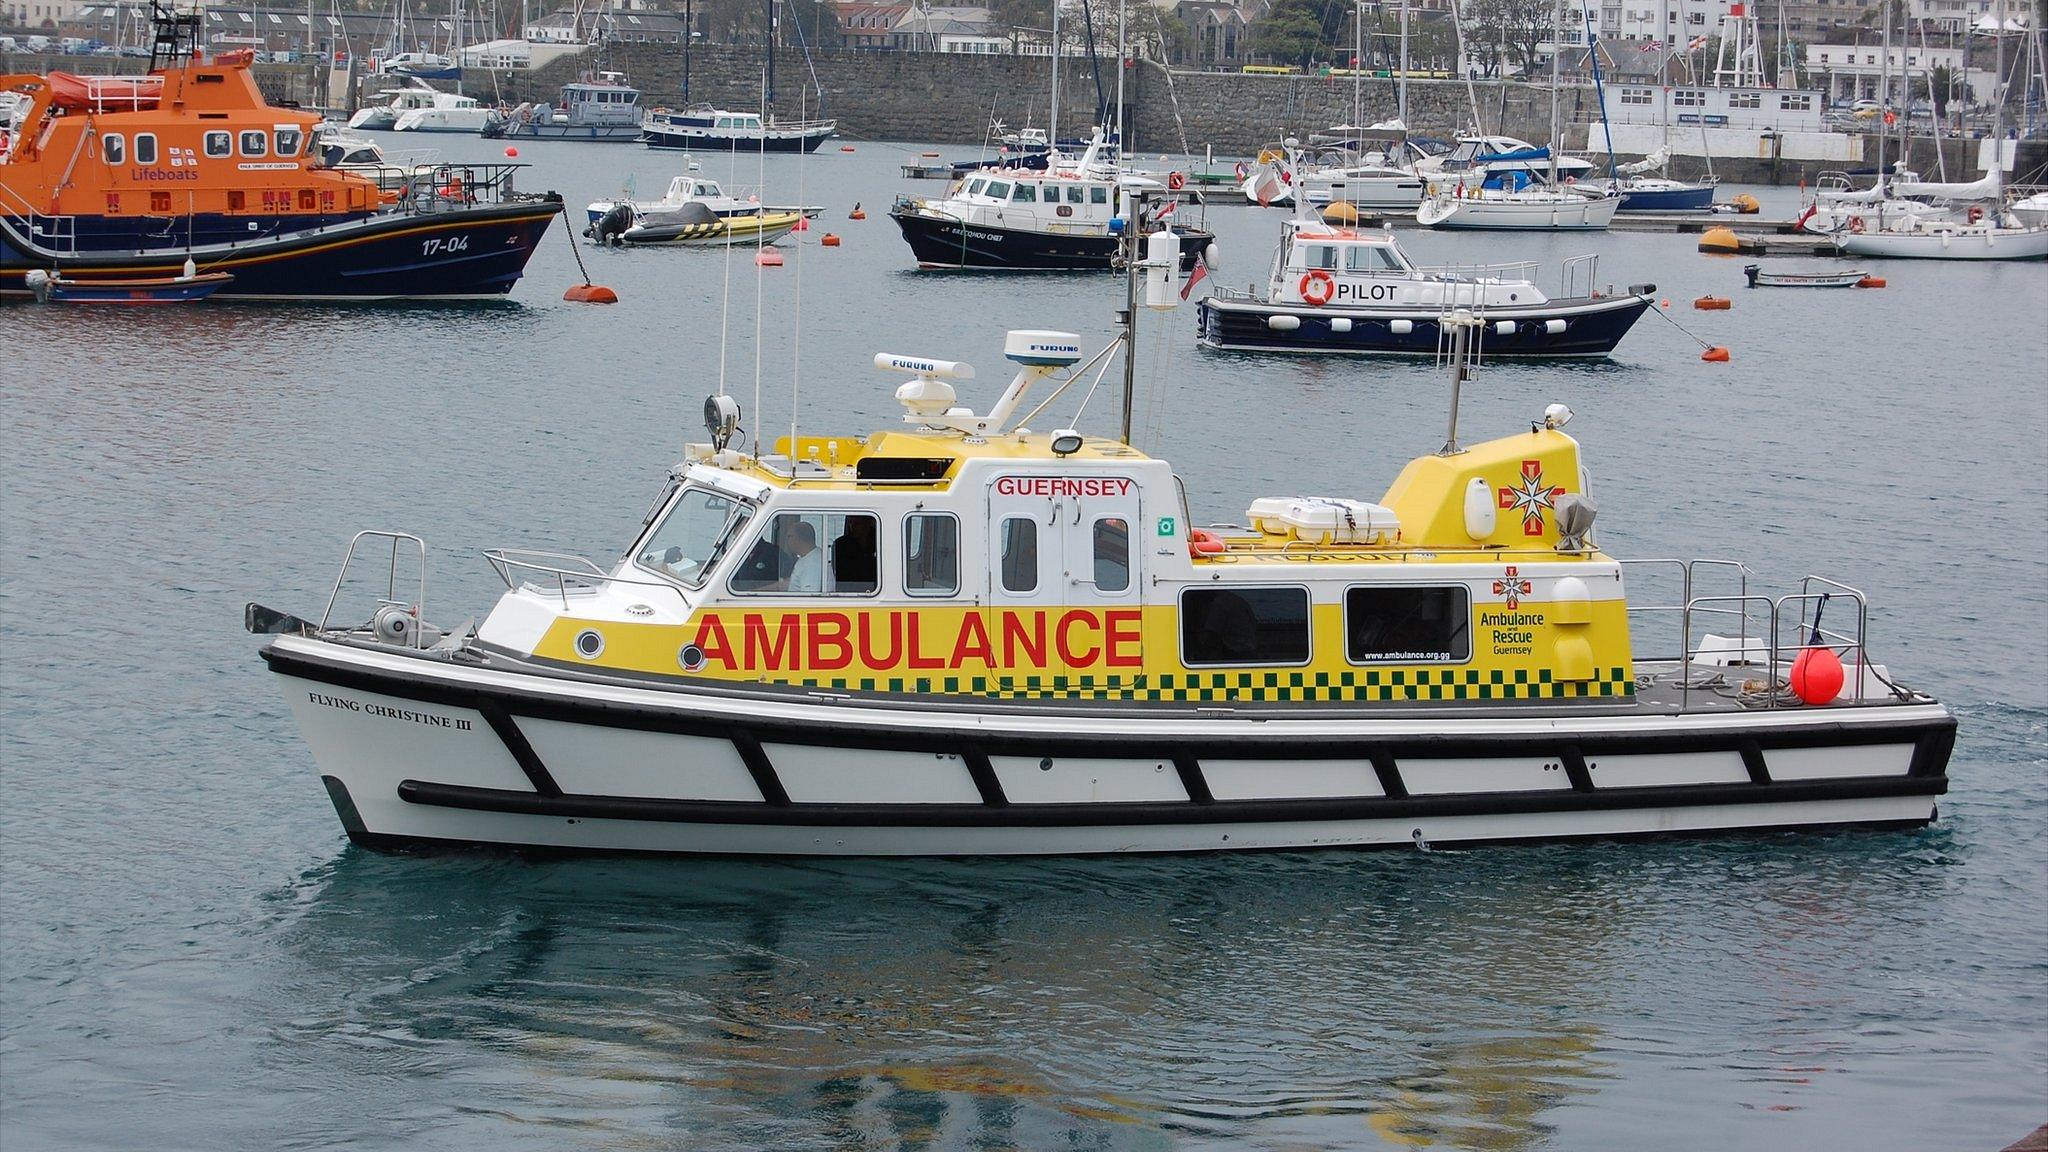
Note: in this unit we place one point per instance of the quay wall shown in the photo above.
(950, 99)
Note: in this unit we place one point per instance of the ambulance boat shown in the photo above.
(962, 636)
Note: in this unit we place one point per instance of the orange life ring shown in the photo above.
(1202, 542)
(1856, 225)
(1317, 286)
(1571, 180)
(1176, 181)
(1976, 210)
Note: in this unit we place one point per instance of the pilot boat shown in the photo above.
(1069, 217)
(962, 636)
(125, 179)
(1350, 290)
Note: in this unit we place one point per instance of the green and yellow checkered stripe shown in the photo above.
(1375, 685)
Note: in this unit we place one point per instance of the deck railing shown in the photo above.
(1763, 626)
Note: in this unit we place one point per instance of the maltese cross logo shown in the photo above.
(1530, 497)
(1512, 586)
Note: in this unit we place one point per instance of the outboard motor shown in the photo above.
(611, 226)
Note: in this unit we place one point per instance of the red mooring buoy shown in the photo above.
(591, 294)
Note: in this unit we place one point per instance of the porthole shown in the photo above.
(691, 658)
(589, 644)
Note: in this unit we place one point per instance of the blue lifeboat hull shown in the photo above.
(475, 252)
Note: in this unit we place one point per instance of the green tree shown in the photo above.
(1291, 32)
(1515, 29)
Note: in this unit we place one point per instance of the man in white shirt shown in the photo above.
(807, 574)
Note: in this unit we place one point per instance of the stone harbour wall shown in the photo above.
(951, 98)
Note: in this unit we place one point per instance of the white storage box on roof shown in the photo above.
(1325, 520)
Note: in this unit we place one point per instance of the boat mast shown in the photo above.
(1120, 49)
(1884, 93)
(689, 34)
(1471, 88)
(1052, 132)
(1556, 58)
(1401, 84)
(1357, 64)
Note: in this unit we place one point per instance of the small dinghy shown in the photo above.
(1758, 278)
(59, 289)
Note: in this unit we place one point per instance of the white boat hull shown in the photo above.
(1937, 244)
(417, 749)
(468, 121)
(1556, 212)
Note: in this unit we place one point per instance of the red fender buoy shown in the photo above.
(829, 240)
(1713, 304)
(1871, 282)
(1817, 675)
(1715, 355)
(591, 294)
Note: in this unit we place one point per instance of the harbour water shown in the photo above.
(191, 956)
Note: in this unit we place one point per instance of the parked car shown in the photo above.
(36, 44)
(1864, 105)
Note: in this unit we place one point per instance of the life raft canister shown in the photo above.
(1317, 286)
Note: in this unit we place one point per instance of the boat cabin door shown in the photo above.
(1061, 561)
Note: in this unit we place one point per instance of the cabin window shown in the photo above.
(115, 148)
(692, 538)
(145, 148)
(288, 141)
(1074, 194)
(974, 187)
(1112, 550)
(1020, 554)
(255, 143)
(812, 553)
(1320, 256)
(1025, 194)
(219, 144)
(1243, 626)
(1357, 259)
(1408, 625)
(931, 554)
(1098, 195)
(999, 189)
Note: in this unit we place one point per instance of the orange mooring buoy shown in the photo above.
(591, 294)
(846, 147)
(1871, 282)
(1715, 355)
(1713, 304)
(856, 214)
(512, 152)
(1664, 303)
(829, 240)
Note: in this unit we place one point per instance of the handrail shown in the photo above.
(505, 560)
(417, 607)
(1796, 610)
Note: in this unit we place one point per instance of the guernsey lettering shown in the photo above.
(1051, 486)
(386, 712)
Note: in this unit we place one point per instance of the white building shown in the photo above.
(1851, 72)
(37, 15)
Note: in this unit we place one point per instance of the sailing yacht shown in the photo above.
(1506, 195)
